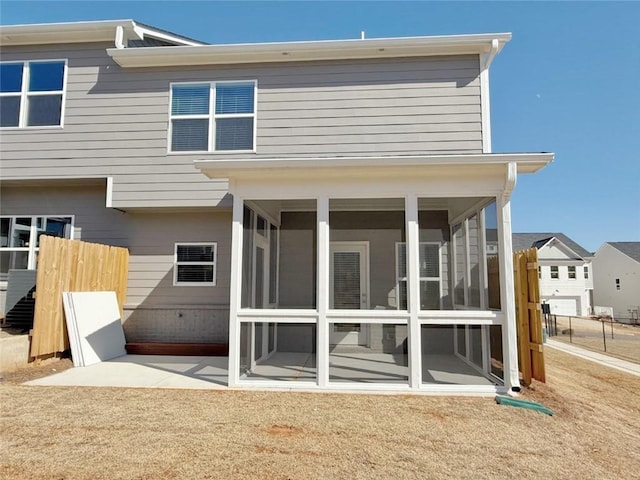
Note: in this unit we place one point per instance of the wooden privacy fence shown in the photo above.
(528, 313)
(71, 266)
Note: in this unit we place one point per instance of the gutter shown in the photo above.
(488, 44)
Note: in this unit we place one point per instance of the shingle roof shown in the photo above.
(522, 241)
(631, 249)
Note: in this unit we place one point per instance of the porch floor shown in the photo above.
(197, 372)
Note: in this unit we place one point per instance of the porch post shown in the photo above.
(322, 326)
(235, 287)
(507, 295)
(413, 289)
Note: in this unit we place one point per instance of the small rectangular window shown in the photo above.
(195, 264)
(539, 272)
(213, 116)
(586, 272)
(572, 272)
(32, 93)
(554, 272)
(617, 284)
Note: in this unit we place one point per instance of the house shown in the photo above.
(564, 271)
(322, 207)
(616, 279)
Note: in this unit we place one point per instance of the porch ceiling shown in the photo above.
(370, 166)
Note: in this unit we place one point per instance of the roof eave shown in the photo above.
(526, 162)
(83, 32)
(308, 51)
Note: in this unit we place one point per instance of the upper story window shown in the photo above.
(32, 93)
(554, 272)
(572, 272)
(586, 272)
(213, 116)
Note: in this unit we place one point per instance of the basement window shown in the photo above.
(195, 264)
(32, 93)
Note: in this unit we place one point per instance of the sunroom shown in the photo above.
(383, 274)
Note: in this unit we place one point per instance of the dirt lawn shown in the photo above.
(107, 433)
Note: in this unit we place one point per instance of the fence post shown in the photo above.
(604, 337)
(611, 327)
(570, 332)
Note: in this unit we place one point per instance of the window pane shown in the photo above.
(429, 260)
(54, 226)
(190, 99)
(4, 231)
(195, 253)
(10, 77)
(46, 76)
(44, 110)
(402, 260)
(234, 134)
(9, 111)
(21, 232)
(12, 261)
(190, 135)
(234, 97)
(195, 273)
(429, 295)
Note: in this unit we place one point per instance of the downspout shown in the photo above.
(119, 36)
(485, 61)
(509, 337)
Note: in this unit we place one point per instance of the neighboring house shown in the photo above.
(564, 270)
(327, 208)
(616, 279)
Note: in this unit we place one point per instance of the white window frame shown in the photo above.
(24, 94)
(586, 272)
(176, 264)
(557, 277)
(569, 272)
(430, 279)
(33, 235)
(211, 117)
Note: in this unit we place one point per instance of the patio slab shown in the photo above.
(145, 371)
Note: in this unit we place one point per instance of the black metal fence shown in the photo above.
(600, 334)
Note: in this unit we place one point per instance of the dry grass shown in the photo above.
(106, 433)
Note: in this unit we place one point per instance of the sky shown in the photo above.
(566, 83)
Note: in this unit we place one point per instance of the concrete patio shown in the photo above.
(202, 372)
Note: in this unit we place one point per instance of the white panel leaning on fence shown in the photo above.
(94, 326)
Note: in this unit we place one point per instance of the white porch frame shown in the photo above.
(311, 182)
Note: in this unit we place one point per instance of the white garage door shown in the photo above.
(564, 306)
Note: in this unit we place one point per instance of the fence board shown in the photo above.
(528, 311)
(71, 265)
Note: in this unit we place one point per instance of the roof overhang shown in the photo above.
(82, 32)
(224, 168)
(309, 51)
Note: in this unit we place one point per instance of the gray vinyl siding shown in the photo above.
(116, 120)
(150, 238)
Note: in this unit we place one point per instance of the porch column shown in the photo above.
(507, 296)
(322, 325)
(413, 289)
(235, 294)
